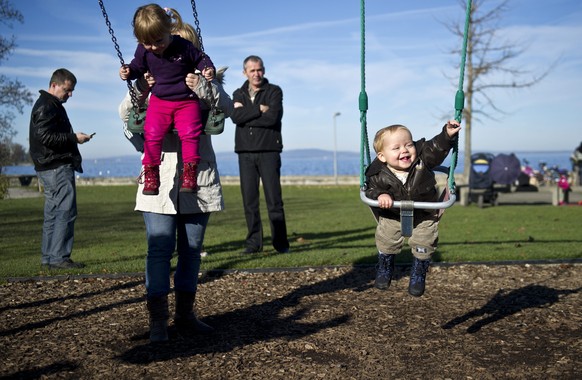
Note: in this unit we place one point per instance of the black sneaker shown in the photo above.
(67, 264)
(250, 251)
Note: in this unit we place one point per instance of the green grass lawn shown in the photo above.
(327, 225)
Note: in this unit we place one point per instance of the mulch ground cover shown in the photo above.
(474, 322)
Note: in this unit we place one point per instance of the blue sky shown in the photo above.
(312, 50)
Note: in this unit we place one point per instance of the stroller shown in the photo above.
(481, 185)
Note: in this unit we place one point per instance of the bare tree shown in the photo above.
(488, 66)
(13, 94)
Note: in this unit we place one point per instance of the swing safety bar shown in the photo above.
(423, 205)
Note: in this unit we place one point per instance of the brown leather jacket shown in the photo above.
(421, 183)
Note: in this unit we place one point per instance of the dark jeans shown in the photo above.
(60, 213)
(266, 168)
(165, 235)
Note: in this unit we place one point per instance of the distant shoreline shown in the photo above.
(234, 180)
(301, 166)
(285, 180)
(302, 153)
(231, 180)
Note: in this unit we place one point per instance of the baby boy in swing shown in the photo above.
(402, 171)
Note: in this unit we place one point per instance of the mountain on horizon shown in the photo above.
(312, 153)
(303, 154)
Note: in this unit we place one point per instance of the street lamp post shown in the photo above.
(335, 115)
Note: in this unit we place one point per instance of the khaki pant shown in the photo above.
(423, 242)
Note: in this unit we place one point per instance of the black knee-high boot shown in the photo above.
(185, 318)
(158, 310)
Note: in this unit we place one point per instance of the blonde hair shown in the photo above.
(379, 138)
(150, 22)
(183, 29)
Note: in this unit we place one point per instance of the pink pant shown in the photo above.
(161, 116)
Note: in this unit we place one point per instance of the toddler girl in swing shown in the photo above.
(168, 58)
(402, 171)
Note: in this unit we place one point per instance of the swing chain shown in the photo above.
(120, 56)
(197, 23)
(199, 33)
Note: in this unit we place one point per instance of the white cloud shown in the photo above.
(315, 57)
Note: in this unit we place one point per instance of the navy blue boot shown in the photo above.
(384, 271)
(418, 277)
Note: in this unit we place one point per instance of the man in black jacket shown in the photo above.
(56, 157)
(258, 110)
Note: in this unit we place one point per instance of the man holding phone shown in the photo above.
(55, 153)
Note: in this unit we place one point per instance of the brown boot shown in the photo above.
(189, 178)
(158, 310)
(185, 318)
(150, 177)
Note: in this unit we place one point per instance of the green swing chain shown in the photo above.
(460, 98)
(363, 101)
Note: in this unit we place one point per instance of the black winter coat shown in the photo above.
(256, 131)
(420, 185)
(52, 140)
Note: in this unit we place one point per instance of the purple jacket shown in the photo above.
(180, 58)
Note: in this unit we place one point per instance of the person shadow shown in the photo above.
(286, 317)
(504, 304)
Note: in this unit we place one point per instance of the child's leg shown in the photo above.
(389, 241)
(423, 243)
(157, 124)
(188, 122)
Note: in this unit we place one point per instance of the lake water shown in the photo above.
(310, 162)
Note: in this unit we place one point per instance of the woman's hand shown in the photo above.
(208, 73)
(192, 81)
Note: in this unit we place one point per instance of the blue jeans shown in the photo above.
(60, 213)
(163, 232)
